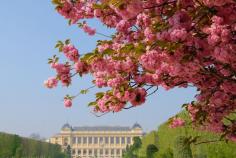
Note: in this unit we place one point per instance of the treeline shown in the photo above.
(181, 142)
(13, 146)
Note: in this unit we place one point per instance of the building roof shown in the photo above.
(136, 125)
(101, 128)
(67, 126)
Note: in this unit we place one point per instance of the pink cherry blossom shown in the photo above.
(177, 122)
(67, 103)
(51, 82)
(81, 67)
(88, 29)
(138, 96)
(71, 52)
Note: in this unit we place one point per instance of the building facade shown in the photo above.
(97, 141)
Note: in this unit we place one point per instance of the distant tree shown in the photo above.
(68, 151)
(19, 152)
(13, 146)
(132, 151)
(35, 136)
(137, 143)
(151, 150)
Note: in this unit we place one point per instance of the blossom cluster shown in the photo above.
(167, 43)
(177, 122)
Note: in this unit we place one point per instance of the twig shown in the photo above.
(128, 107)
(209, 141)
(99, 115)
(98, 33)
(160, 5)
(153, 92)
(85, 89)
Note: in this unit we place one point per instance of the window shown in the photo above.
(117, 151)
(112, 151)
(106, 152)
(128, 140)
(101, 139)
(112, 140)
(56, 140)
(90, 141)
(79, 140)
(95, 140)
(95, 152)
(123, 140)
(73, 140)
(84, 140)
(106, 140)
(90, 152)
(85, 152)
(101, 151)
(73, 152)
(65, 141)
(117, 140)
(79, 152)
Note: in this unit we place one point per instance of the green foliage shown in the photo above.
(167, 154)
(148, 139)
(166, 140)
(68, 151)
(182, 148)
(137, 143)
(151, 150)
(132, 151)
(171, 143)
(17, 147)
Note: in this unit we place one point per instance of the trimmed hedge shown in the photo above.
(13, 146)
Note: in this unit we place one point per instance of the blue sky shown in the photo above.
(29, 30)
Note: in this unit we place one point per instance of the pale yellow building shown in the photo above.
(97, 141)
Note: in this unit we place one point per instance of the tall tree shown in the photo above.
(132, 151)
(167, 43)
(68, 151)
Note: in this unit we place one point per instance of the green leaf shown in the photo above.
(99, 95)
(122, 88)
(108, 52)
(160, 26)
(127, 48)
(117, 3)
(140, 49)
(57, 2)
(67, 41)
(89, 57)
(100, 6)
(69, 22)
(92, 103)
(184, 105)
(84, 91)
(170, 46)
(59, 43)
(118, 58)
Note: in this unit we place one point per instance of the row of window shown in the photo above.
(105, 140)
(98, 152)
